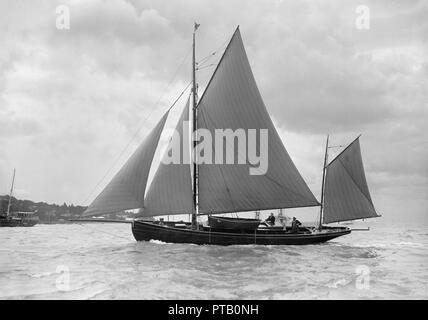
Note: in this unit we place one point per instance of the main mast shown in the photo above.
(323, 183)
(194, 128)
(10, 194)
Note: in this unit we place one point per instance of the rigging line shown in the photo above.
(176, 100)
(337, 156)
(212, 53)
(142, 123)
(205, 59)
(206, 66)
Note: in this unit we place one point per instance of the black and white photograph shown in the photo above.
(232, 150)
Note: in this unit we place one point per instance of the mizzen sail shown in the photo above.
(232, 101)
(126, 190)
(347, 195)
(171, 189)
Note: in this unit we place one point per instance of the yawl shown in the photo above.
(232, 100)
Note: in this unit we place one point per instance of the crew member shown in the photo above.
(295, 224)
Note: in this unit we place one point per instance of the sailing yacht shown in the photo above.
(231, 100)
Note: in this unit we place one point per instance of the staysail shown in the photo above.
(171, 189)
(232, 101)
(126, 190)
(347, 195)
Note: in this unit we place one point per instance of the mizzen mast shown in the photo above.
(194, 132)
(323, 183)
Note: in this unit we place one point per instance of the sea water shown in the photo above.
(103, 261)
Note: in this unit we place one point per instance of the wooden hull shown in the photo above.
(145, 231)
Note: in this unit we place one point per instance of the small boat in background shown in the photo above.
(18, 218)
(6, 221)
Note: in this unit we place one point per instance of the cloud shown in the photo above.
(12, 127)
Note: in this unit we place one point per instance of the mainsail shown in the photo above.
(232, 101)
(347, 195)
(126, 189)
(171, 189)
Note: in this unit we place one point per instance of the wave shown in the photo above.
(410, 244)
(363, 254)
(107, 268)
(158, 242)
(42, 274)
(340, 283)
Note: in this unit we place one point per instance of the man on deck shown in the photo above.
(295, 225)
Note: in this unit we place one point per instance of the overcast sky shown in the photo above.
(72, 99)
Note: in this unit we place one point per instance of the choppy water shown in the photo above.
(103, 261)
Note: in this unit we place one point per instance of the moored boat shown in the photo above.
(18, 218)
(29, 219)
(10, 221)
(17, 221)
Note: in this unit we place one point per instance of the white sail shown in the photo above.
(171, 189)
(232, 101)
(346, 195)
(126, 189)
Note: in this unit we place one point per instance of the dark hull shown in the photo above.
(28, 223)
(14, 222)
(145, 231)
